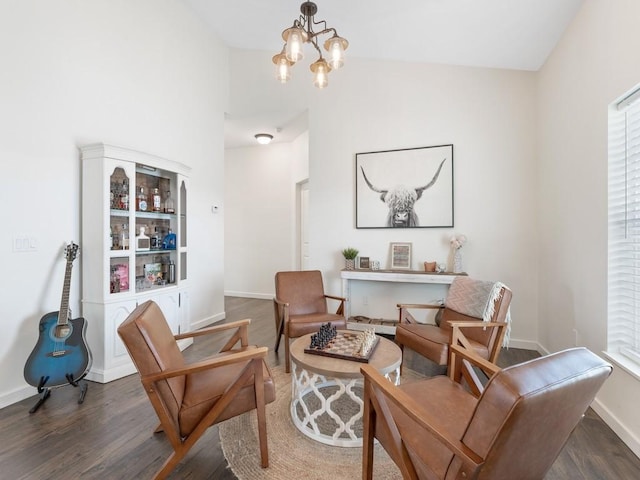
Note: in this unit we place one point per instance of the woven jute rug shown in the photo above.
(293, 455)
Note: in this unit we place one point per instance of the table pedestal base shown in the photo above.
(315, 395)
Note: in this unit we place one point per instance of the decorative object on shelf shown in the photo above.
(441, 268)
(384, 201)
(430, 266)
(457, 241)
(143, 242)
(350, 255)
(400, 256)
(363, 262)
(302, 32)
(375, 265)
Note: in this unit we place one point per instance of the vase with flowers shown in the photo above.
(457, 241)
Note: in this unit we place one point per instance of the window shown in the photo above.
(624, 229)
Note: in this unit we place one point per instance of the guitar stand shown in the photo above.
(45, 392)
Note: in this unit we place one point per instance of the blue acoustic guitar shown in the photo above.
(61, 356)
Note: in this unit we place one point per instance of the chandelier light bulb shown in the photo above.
(336, 47)
(283, 67)
(321, 70)
(293, 49)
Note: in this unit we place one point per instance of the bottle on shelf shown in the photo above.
(155, 240)
(115, 239)
(124, 195)
(169, 206)
(157, 201)
(141, 200)
(112, 195)
(169, 241)
(171, 272)
(124, 237)
(114, 283)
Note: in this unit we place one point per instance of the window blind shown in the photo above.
(624, 229)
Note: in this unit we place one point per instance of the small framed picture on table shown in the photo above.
(363, 263)
(401, 256)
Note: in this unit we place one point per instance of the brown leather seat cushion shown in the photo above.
(203, 389)
(432, 341)
(300, 325)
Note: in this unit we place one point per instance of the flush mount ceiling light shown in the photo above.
(302, 32)
(263, 138)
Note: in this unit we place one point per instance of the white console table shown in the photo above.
(394, 276)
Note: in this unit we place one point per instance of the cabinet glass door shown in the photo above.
(118, 242)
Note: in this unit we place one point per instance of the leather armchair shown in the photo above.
(515, 428)
(432, 341)
(189, 398)
(300, 307)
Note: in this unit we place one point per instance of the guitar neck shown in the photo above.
(63, 313)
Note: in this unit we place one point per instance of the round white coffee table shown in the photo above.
(325, 390)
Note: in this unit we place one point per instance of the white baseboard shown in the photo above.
(106, 376)
(526, 345)
(205, 322)
(260, 296)
(17, 396)
(619, 429)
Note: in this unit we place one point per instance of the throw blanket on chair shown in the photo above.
(476, 298)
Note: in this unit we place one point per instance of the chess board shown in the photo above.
(344, 346)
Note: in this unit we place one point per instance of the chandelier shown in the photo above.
(302, 32)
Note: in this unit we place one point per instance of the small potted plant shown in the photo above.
(350, 255)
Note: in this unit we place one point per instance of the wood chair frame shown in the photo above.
(255, 356)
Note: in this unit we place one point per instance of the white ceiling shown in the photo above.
(511, 34)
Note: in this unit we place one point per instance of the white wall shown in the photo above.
(261, 221)
(144, 74)
(489, 116)
(259, 207)
(595, 63)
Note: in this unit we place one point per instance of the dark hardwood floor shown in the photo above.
(110, 435)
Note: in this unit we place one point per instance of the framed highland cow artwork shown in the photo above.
(408, 188)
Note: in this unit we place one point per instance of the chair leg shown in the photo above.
(287, 358)
(368, 419)
(261, 413)
(279, 333)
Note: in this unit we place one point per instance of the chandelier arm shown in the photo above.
(312, 41)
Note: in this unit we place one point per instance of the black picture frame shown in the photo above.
(406, 188)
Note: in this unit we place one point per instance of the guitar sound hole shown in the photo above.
(62, 331)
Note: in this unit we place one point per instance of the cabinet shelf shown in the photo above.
(156, 215)
(157, 251)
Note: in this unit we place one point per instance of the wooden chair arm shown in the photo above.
(486, 366)
(240, 335)
(423, 419)
(340, 309)
(333, 297)
(475, 324)
(280, 302)
(214, 329)
(420, 305)
(214, 362)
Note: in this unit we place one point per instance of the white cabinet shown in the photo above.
(134, 247)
